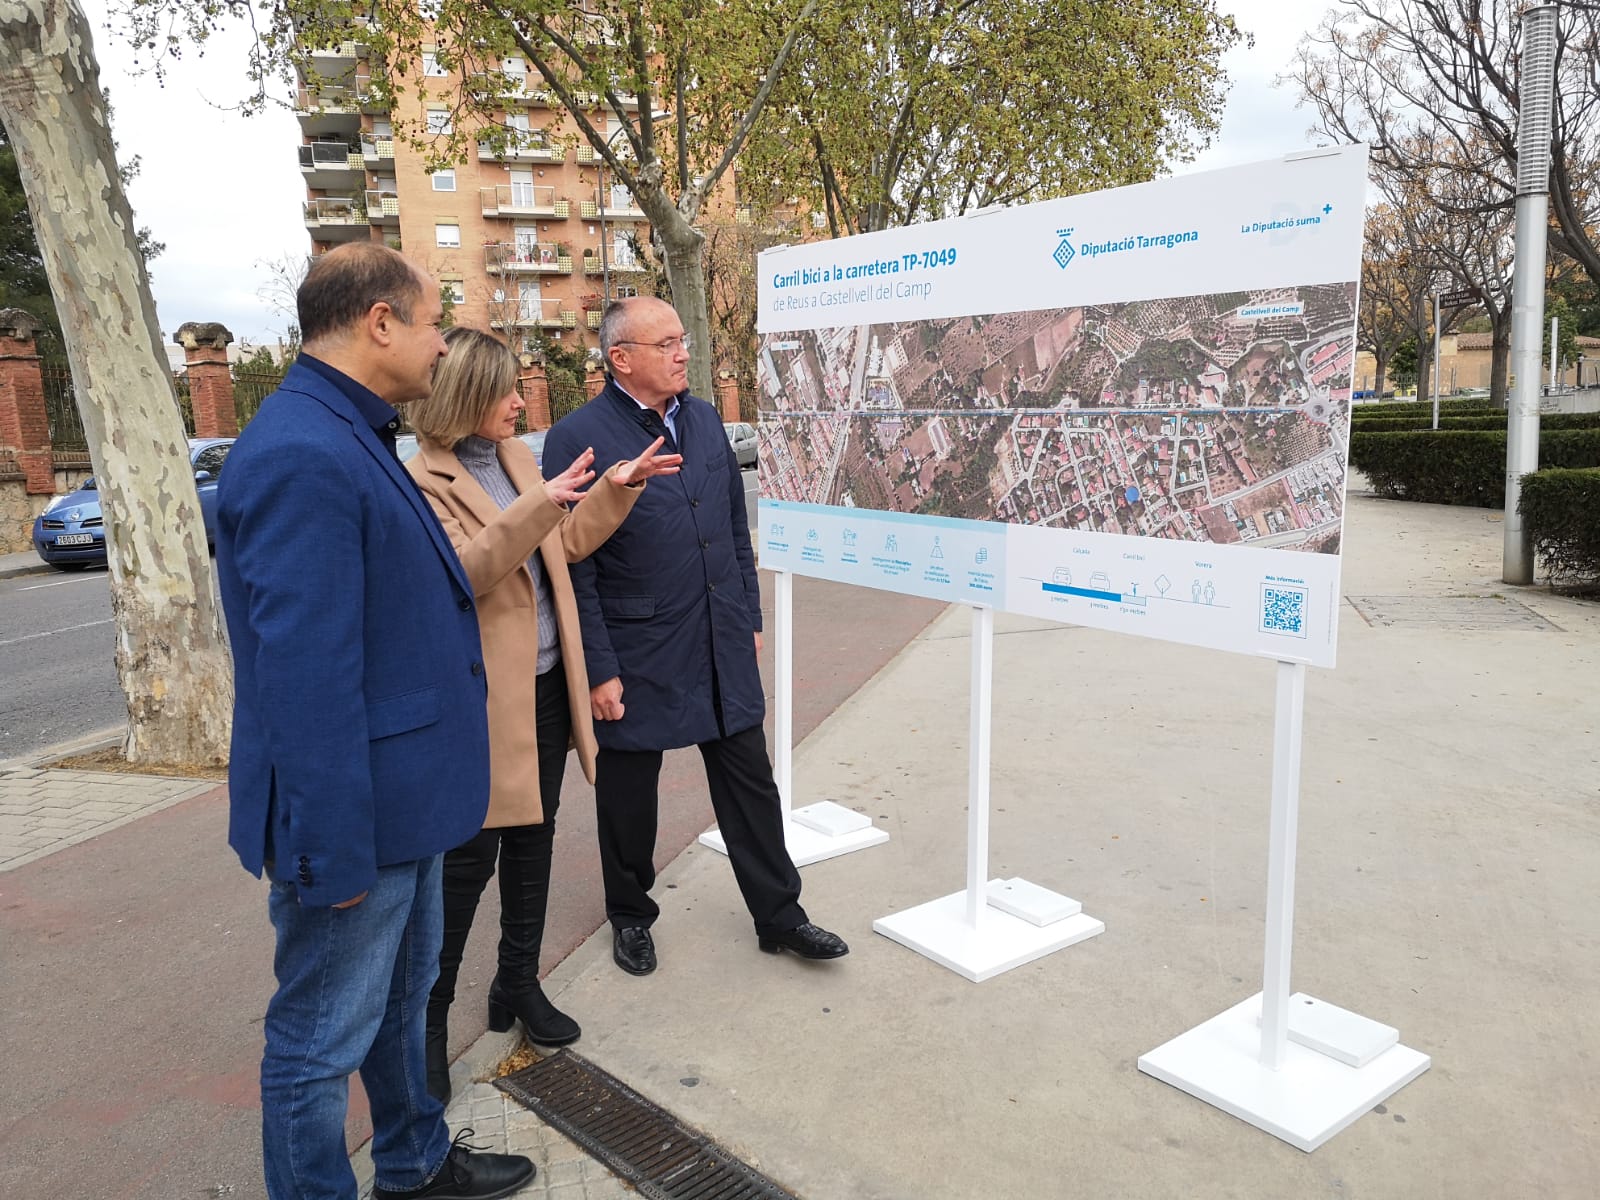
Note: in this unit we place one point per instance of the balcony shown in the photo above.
(523, 149)
(337, 219)
(523, 200)
(619, 206)
(591, 318)
(513, 90)
(586, 153)
(327, 165)
(546, 312)
(339, 58)
(383, 208)
(375, 151)
(331, 109)
(523, 258)
(622, 262)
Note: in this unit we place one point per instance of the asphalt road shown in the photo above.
(58, 680)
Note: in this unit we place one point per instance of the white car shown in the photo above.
(742, 437)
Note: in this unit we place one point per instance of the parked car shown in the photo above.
(535, 440)
(742, 437)
(71, 533)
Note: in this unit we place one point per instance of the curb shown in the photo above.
(26, 569)
(77, 745)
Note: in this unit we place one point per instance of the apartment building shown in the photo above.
(527, 233)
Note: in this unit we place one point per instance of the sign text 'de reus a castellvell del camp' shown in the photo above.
(1128, 409)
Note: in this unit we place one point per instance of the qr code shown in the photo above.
(1283, 610)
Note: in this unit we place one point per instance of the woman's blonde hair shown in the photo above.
(478, 372)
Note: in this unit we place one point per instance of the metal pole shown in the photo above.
(978, 766)
(1555, 329)
(1436, 360)
(1527, 283)
(600, 207)
(1282, 833)
(783, 690)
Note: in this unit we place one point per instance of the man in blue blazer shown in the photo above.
(360, 740)
(671, 617)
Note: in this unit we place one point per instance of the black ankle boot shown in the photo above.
(545, 1023)
(437, 1046)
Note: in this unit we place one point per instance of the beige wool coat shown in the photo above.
(494, 546)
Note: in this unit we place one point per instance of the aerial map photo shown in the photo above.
(1215, 418)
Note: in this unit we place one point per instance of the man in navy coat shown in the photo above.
(671, 616)
(360, 738)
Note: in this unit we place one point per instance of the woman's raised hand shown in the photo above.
(647, 464)
(564, 488)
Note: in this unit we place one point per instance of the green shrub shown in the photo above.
(1459, 466)
(1495, 420)
(1559, 510)
(1411, 408)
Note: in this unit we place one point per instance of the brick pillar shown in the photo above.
(594, 380)
(728, 395)
(24, 421)
(205, 354)
(535, 388)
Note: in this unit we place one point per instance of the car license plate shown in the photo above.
(74, 539)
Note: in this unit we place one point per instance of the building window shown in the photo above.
(445, 180)
(439, 120)
(430, 64)
(457, 290)
(447, 235)
(819, 220)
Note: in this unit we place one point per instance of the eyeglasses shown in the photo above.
(665, 345)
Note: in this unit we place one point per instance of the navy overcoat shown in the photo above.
(360, 727)
(670, 604)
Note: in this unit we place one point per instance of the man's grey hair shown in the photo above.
(613, 327)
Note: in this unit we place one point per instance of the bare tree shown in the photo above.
(171, 658)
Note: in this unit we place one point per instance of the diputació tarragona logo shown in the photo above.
(1064, 252)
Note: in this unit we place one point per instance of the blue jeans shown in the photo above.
(352, 996)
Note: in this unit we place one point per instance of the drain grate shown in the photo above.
(651, 1149)
(1449, 612)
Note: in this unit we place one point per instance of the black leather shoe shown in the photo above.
(634, 950)
(545, 1023)
(467, 1175)
(807, 941)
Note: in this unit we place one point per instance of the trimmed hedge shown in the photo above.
(1410, 408)
(1459, 466)
(1559, 510)
(1586, 420)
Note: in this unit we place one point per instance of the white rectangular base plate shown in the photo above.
(807, 846)
(1305, 1103)
(1337, 1032)
(830, 819)
(1034, 904)
(939, 930)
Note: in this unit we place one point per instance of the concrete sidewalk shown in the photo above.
(1448, 854)
(24, 562)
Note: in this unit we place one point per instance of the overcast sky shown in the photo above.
(224, 191)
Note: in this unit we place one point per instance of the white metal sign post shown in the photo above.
(817, 831)
(1127, 410)
(1290, 1064)
(995, 924)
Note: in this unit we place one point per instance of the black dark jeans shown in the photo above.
(524, 859)
(749, 814)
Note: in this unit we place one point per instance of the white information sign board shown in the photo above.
(1128, 409)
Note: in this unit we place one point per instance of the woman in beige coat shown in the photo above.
(515, 535)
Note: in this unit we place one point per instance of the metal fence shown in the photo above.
(566, 395)
(61, 408)
(250, 388)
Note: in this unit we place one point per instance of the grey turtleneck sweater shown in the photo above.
(481, 458)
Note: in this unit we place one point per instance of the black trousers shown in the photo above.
(749, 815)
(523, 852)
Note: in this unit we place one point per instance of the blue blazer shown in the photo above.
(360, 735)
(671, 599)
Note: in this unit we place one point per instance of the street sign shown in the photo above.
(1460, 298)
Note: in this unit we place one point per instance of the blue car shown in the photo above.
(71, 533)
